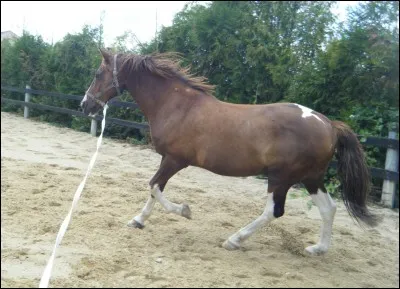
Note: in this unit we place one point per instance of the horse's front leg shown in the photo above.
(168, 168)
(138, 221)
(179, 209)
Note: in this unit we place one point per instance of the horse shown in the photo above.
(287, 142)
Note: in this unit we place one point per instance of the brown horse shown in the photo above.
(287, 142)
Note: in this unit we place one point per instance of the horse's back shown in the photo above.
(277, 122)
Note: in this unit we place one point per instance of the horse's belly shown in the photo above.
(230, 164)
(235, 171)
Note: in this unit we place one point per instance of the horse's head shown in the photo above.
(104, 86)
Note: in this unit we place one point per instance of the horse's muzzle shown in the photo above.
(89, 107)
(84, 105)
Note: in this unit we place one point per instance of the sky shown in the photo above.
(54, 19)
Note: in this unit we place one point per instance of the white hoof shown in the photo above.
(135, 224)
(316, 250)
(230, 246)
(186, 212)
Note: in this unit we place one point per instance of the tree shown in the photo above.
(356, 79)
(74, 60)
(249, 50)
(22, 61)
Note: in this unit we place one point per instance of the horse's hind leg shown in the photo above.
(275, 208)
(168, 168)
(327, 209)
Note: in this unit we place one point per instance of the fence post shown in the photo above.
(93, 127)
(391, 164)
(27, 99)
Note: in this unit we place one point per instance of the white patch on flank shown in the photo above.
(307, 112)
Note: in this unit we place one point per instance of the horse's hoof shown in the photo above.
(230, 246)
(135, 224)
(315, 250)
(186, 212)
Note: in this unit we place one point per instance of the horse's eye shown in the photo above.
(98, 73)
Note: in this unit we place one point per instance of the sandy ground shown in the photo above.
(42, 166)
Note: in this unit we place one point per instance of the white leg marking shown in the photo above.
(307, 112)
(327, 209)
(144, 215)
(267, 216)
(182, 210)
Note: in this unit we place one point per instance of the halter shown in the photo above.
(114, 84)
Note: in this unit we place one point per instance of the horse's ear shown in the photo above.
(106, 55)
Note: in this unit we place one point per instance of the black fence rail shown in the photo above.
(390, 174)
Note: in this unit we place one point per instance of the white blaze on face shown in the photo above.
(84, 99)
(307, 112)
(86, 93)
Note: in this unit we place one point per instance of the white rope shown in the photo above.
(44, 282)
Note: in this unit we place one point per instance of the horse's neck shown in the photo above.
(157, 97)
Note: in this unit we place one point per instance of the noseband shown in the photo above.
(114, 84)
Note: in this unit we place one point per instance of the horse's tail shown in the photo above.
(353, 173)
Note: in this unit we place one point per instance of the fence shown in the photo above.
(27, 104)
(390, 174)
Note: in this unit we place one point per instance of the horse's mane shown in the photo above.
(167, 66)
